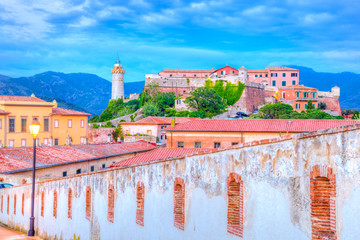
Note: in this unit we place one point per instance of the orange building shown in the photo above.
(298, 96)
(224, 133)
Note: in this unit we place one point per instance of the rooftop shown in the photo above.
(159, 153)
(68, 112)
(300, 87)
(160, 120)
(259, 125)
(20, 99)
(189, 70)
(20, 159)
(281, 69)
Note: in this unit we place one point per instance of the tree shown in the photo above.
(356, 115)
(151, 109)
(118, 132)
(310, 105)
(109, 125)
(205, 100)
(165, 100)
(322, 106)
(275, 110)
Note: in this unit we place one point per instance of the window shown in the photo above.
(273, 83)
(82, 123)
(179, 203)
(111, 204)
(64, 173)
(165, 137)
(70, 204)
(283, 83)
(197, 145)
(56, 141)
(78, 171)
(55, 204)
(42, 204)
(103, 166)
(293, 82)
(0, 123)
(266, 75)
(222, 72)
(306, 94)
(323, 202)
(140, 195)
(56, 123)
(11, 142)
(283, 95)
(256, 75)
(69, 123)
(206, 75)
(92, 168)
(46, 124)
(162, 127)
(11, 124)
(23, 124)
(88, 203)
(23, 142)
(314, 94)
(294, 74)
(305, 105)
(180, 144)
(194, 75)
(45, 141)
(260, 75)
(297, 94)
(274, 74)
(234, 143)
(22, 204)
(235, 205)
(233, 71)
(170, 75)
(184, 75)
(161, 137)
(284, 74)
(217, 144)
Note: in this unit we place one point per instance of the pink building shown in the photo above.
(275, 76)
(186, 73)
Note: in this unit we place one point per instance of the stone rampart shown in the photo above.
(305, 186)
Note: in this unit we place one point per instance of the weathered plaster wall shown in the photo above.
(276, 183)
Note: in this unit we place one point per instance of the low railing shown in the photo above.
(307, 99)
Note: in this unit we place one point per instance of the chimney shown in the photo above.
(173, 122)
(55, 104)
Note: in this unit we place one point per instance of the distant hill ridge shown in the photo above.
(84, 90)
(92, 93)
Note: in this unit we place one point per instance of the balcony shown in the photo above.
(307, 99)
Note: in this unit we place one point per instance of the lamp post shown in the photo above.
(34, 130)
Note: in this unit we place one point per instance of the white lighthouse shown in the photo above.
(117, 81)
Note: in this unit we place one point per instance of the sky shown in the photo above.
(147, 36)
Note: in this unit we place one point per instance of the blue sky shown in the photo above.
(86, 36)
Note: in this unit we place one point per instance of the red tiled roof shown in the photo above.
(68, 112)
(2, 112)
(188, 70)
(20, 159)
(257, 70)
(281, 69)
(159, 153)
(160, 120)
(259, 125)
(298, 87)
(20, 99)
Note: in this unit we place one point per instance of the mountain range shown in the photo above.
(92, 93)
(87, 91)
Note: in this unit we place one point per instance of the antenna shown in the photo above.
(117, 58)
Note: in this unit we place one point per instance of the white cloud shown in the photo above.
(317, 18)
(113, 12)
(84, 22)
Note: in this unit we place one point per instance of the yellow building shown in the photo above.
(58, 126)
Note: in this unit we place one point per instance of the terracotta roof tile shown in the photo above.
(17, 159)
(188, 70)
(68, 112)
(259, 125)
(281, 69)
(20, 99)
(159, 153)
(160, 120)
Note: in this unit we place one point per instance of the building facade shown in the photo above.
(227, 133)
(275, 76)
(117, 72)
(152, 126)
(58, 126)
(298, 97)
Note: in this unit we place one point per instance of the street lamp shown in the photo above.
(34, 130)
